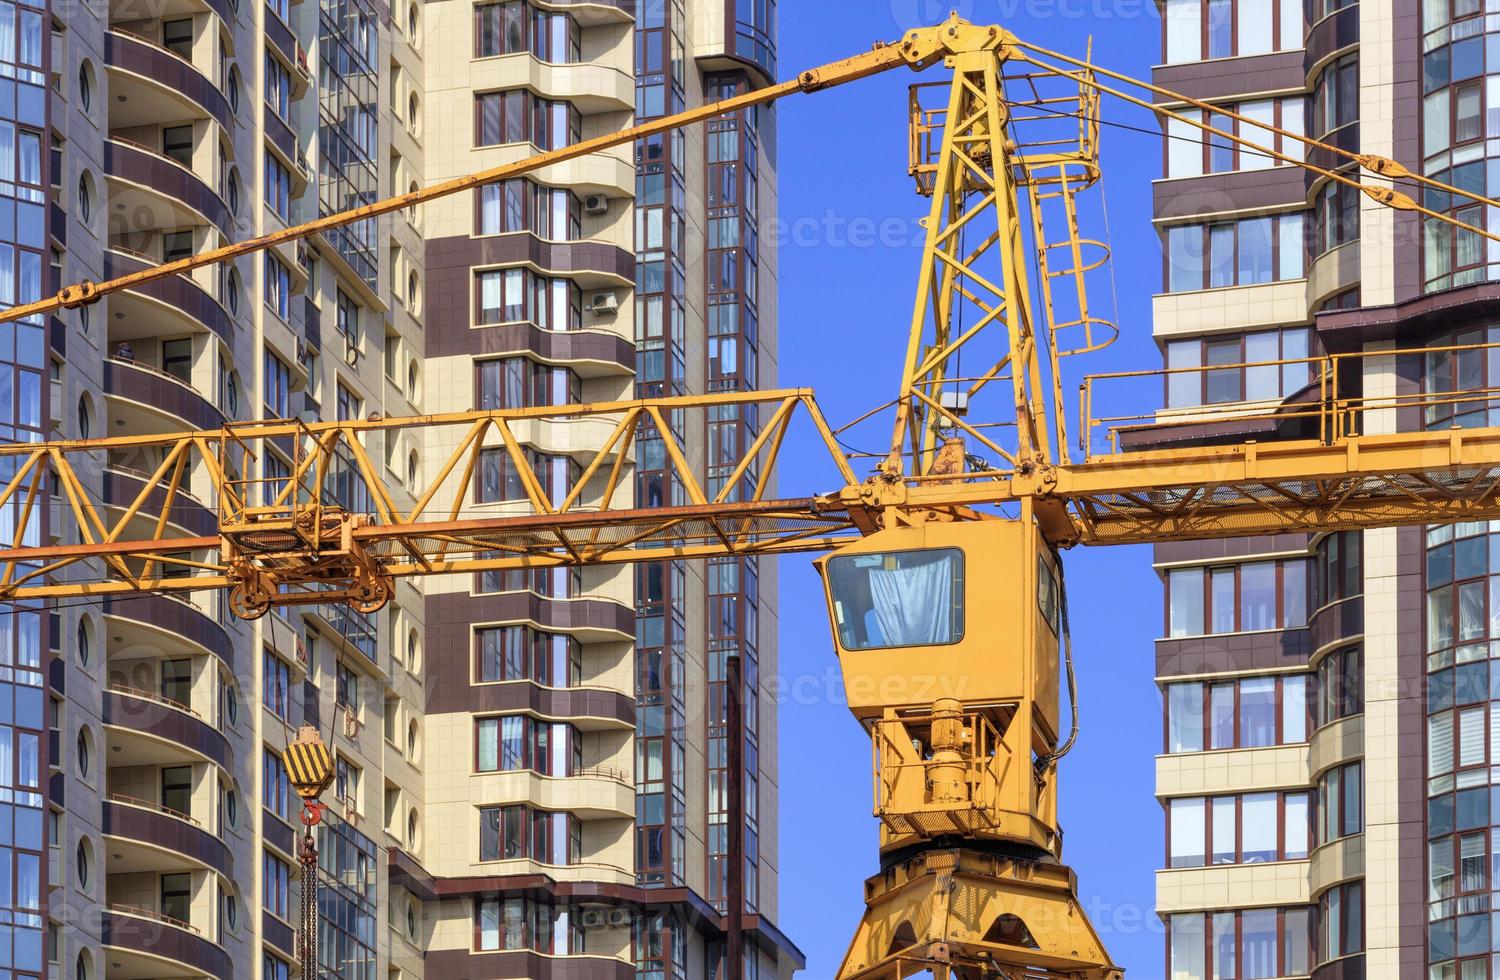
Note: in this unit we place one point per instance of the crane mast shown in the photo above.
(948, 618)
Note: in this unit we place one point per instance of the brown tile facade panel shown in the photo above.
(1243, 190)
(449, 265)
(161, 941)
(121, 490)
(1410, 322)
(1332, 33)
(147, 169)
(143, 58)
(524, 963)
(450, 644)
(140, 384)
(1270, 650)
(1347, 968)
(153, 718)
(1226, 78)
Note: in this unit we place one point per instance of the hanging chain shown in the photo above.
(307, 857)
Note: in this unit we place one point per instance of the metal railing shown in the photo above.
(1321, 406)
(154, 807)
(143, 695)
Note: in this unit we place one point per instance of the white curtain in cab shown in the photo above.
(914, 603)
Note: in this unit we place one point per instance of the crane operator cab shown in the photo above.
(948, 638)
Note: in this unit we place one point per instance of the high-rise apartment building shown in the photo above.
(530, 768)
(1327, 777)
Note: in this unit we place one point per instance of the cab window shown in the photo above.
(898, 599)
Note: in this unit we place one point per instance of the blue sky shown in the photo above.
(846, 293)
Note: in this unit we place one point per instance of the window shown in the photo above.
(521, 742)
(1340, 802)
(554, 583)
(1191, 152)
(521, 653)
(276, 785)
(514, 295)
(177, 359)
(1448, 372)
(512, 833)
(1248, 252)
(275, 969)
(1199, 29)
(176, 245)
(1340, 686)
(1250, 712)
(1338, 574)
(1342, 918)
(177, 144)
(1237, 598)
(278, 287)
(1250, 944)
(347, 405)
(1261, 366)
(278, 683)
(499, 479)
(278, 387)
(278, 86)
(519, 205)
(1335, 217)
(177, 789)
(1249, 828)
(177, 37)
(347, 318)
(518, 382)
(346, 780)
(177, 897)
(518, 116)
(346, 690)
(520, 923)
(514, 27)
(1335, 98)
(276, 886)
(278, 187)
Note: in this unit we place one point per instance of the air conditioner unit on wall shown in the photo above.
(604, 303)
(595, 204)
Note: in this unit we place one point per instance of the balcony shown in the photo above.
(1337, 622)
(186, 514)
(146, 181)
(591, 87)
(146, 401)
(143, 944)
(153, 623)
(593, 793)
(154, 728)
(152, 85)
(143, 836)
(171, 305)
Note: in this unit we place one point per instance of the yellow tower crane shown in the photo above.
(949, 618)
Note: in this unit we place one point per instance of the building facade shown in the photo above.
(1326, 775)
(529, 767)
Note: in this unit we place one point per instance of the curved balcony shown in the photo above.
(1336, 743)
(1344, 968)
(146, 720)
(1332, 272)
(142, 944)
(589, 86)
(593, 793)
(1330, 35)
(151, 85)
(186, 513)
(588, 708)
(525, 963)
(148, 182)
(144, 837)
(157, 623)
(279, 34)
(1334, 862)
(592, 353)
(1337, 623)
(146, 401)
(176, 303)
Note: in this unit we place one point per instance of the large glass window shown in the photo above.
(1247, 252)
(519, 382)
(520, 923)
(1340, 686)
(523, 653)
(1335, 99)
(1248, 828)
(1342, 918)
(518, 116)
(512, 833)
(1201, 29)
(1237, 598)
(517, 295)
(1252, 944)
(898, 599)
(513, 742)
(1190, 151)
(521, 205)
(1340, 802)
(1249, 712)
(514, 27)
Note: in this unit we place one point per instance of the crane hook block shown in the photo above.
(309, 764)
